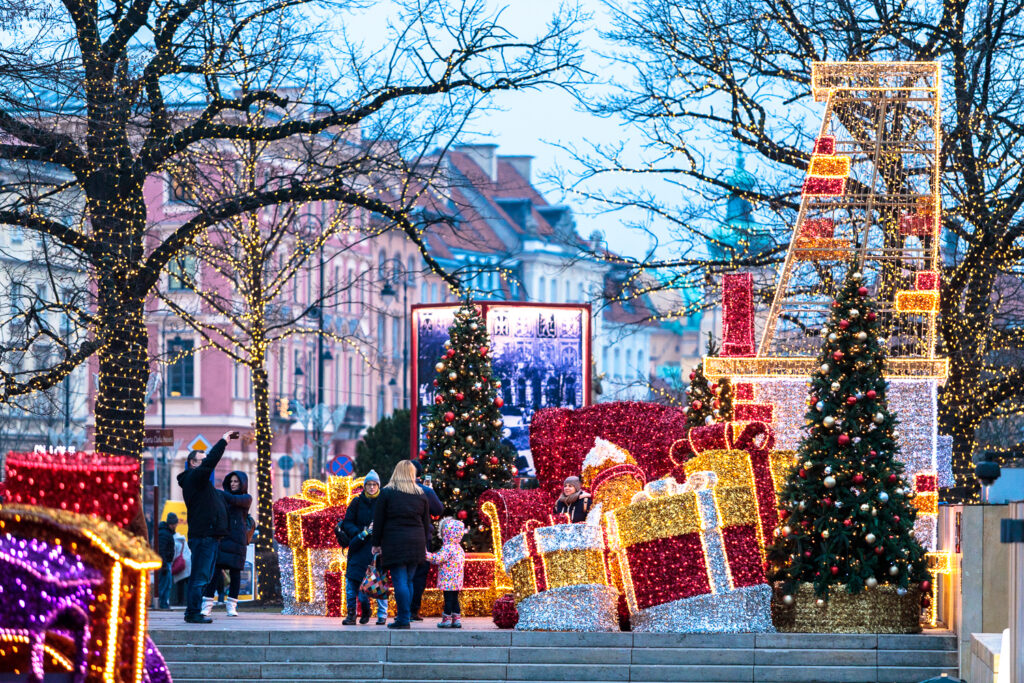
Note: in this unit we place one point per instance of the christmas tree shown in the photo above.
(465, 455)
(847, 516)
(707, 402)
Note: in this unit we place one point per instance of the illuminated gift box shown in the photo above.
(690, 558)
(75, 598)
(916, 225)
(822, 249)
(926, 280)
(912, 301)
(817, 186)
(106, 486)
(742, 456)
(818, 227)
(611, 475)
(304, 531)
(559, 579)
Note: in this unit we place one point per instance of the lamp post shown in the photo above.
(399, 275)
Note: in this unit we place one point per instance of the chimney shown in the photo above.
(522, 164)
(485, 156)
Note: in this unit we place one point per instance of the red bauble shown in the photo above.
(892, 478)
(460, 396)
(435, 382)
(896, 518)
(439, 399)
(423, 453)
(483, 350)
(451, 353)
(693, 376)
(449, 416)
(717, 404)
(807, 553)
(460, 473)
(873, 453)
(863, 291)
(879, 550)
(834, 570)
(494, 460)
(838, 355)
(802, 473)
(462, 514)
(827, 501)
(499, 401)
(844, 324)
(850, 400)
(847, 522)
(844, 439)
(858, 478)
(871, 394)
(871, 316)
(925, 585)
(696, 405)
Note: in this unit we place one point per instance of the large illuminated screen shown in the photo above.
(540, 352)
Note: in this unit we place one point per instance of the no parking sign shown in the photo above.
(341, 466)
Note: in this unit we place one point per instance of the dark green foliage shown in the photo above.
(850, 519)
(385, 444)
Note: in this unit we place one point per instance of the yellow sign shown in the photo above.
(178, 508)
(199, 444)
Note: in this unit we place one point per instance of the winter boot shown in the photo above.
(207, 606)
(350, 615)
(364, 614)
(382, 619)
(232, 606)
(446, 621)
(456, 621)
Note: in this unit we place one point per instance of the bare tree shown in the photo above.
(707, 74)
(116, 93)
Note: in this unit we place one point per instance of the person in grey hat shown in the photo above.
(574, 501)
(165, 548)
(358, 525)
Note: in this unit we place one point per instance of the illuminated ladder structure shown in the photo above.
(870, 203)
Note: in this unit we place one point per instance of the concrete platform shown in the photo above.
(271, 647)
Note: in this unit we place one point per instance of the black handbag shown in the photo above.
(341, 535)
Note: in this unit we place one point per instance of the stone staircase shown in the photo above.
(376, 654)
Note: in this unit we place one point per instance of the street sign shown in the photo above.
(285, 462)
(199, 444)
(341, 466)
(158, 438)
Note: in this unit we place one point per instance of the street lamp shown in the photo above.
(398, 275)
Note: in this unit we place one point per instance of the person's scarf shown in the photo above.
(569, 500)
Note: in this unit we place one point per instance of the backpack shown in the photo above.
(341, 534)
(250, 528)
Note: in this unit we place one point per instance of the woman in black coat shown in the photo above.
(231, 553)
(358, 524)
(401, 530)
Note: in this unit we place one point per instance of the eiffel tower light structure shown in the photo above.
(870, 203)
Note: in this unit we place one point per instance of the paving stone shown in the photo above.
(690, 673)
(307, 671)
(816, 641)
(692, 656)
(451, 637)
(326, 653)
(567, 655)
(913, 674)
(567, 639)
(432, 672)
(916, 641)
(815, 658)
(718, 640)
(567, 672)
(467, 655)
(936, 658)
(814, 674)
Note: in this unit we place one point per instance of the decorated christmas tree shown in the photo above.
(707, 402)
(465, 455)
(848, 522)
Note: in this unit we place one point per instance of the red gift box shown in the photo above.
(826, 144)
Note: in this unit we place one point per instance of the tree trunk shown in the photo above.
(266, 558)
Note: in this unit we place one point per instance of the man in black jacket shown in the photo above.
(207, 523)
(165, 548)
(419, 581)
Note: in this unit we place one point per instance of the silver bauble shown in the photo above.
(829, 482)
(829, 421)
(894, 570)
(862, 336)
(787, 600)
(871, 582)
(854, 313)
(883, 496)
(826, 368)
(870, 538)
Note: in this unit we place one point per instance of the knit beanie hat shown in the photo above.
(372, 476)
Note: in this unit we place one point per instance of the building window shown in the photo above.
(641, 366)
(180, 192)
(433, 293)
(618, 364)
(629, 361)
(15, 302)
(349, 382)
(181, 273)
(568, 292)
(349, 287)
(424, 293)
(396, 335)
(242, 382)
(181, 373)
(381, 333)
(540, 289)
(605, 368)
